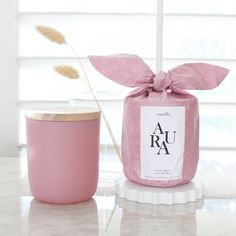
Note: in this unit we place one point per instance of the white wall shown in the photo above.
(8, 78)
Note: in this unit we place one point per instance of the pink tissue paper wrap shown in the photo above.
(160, 135)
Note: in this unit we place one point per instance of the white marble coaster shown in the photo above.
(143, 194)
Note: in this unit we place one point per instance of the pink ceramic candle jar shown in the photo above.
(63, 154)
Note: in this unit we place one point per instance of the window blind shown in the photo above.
(93, 28)
(190, 31)
(202, 31)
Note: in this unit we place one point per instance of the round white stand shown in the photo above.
(174, 195)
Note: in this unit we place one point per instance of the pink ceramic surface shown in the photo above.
(63, 159)
(163, 89)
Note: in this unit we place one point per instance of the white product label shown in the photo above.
(162, 142)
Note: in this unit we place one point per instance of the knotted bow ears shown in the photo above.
(130, 70)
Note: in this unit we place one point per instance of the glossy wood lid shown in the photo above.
(64, 114)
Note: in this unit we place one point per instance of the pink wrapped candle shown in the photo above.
(160, 137)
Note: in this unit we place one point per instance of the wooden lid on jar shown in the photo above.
(64, 114)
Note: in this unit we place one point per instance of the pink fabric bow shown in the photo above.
(131, 70)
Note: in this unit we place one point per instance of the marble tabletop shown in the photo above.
(105, 213)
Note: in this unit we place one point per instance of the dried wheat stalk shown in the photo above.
(51, 34)
(67, 71)
(70, 72)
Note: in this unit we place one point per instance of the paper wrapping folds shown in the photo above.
(160, 136)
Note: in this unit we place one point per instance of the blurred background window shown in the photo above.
(164, 33)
